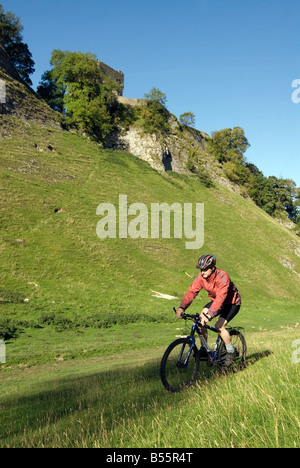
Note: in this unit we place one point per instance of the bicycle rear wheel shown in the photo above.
(239, 343)
(179, 365)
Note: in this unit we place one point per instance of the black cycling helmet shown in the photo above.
(206, 261)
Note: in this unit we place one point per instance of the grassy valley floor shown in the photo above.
(117, 400)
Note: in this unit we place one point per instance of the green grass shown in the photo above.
(119, 401)
(75, 382)
(76, 271)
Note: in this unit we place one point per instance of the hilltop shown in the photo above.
(89, 101)
(167, 152)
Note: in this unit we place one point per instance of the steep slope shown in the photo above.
(21, 102)
(180, 148)
(51, 185)
(52, 182)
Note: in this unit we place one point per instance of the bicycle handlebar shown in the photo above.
(195, 317)
(188, 316)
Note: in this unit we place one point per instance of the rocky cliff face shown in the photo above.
(172, 150)
(156, 151)
(183, 150)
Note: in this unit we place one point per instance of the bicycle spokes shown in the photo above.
(239, 343)
(179, 365)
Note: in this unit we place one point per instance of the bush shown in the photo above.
(47, 318)
(97, 320)
(153, 118)
(60, 322)
(8, 329)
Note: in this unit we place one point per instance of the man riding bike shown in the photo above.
(225, 301)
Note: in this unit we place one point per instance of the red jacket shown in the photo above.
(220, 290)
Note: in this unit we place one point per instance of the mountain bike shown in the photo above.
(181, 360)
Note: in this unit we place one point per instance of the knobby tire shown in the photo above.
(174, 375)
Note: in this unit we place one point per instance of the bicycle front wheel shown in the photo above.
(179, 365)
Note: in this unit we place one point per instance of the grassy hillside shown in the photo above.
(57, 274)
(51, 185)
(21, 103)
(62, 287)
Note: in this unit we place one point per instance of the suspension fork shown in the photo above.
(192, 337)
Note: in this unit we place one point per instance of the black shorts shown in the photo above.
(227, 311)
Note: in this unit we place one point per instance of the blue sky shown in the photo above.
(231, 62)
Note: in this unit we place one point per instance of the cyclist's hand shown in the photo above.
(179, 312)
(203, 319)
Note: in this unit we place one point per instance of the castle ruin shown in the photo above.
(114, 75)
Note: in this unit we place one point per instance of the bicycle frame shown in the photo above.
(181, 360)
(212, 354)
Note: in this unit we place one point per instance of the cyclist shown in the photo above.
(225, 301)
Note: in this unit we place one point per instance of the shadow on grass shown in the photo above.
(250, 361)
(208, 373)
(253, 358)
(98, 399)
(95, 400)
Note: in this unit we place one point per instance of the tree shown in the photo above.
(86, 96)
(157, 96)
(16, 49)
(284, 193)
(187, 118)
(51, 92)
(297, 204)
(229, 145)
(153, 115)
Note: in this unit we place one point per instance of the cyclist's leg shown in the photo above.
(205, 310)
(227, 313)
